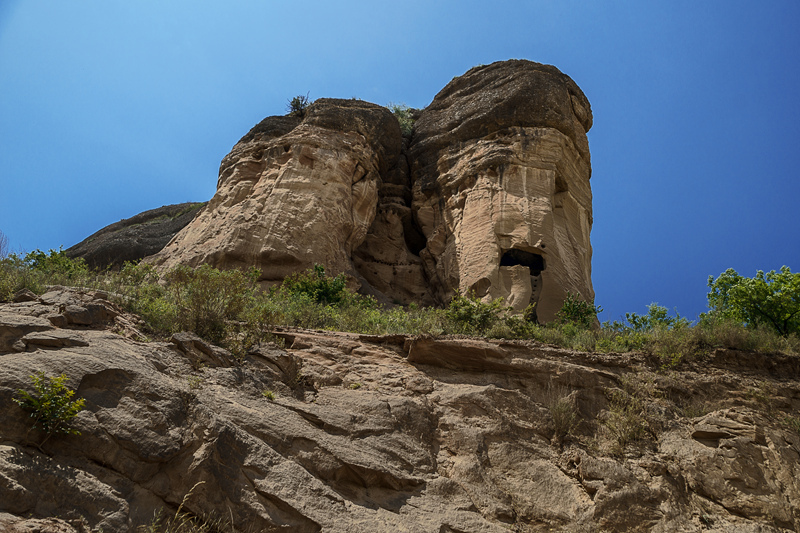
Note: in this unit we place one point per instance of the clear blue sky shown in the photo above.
(109, 108)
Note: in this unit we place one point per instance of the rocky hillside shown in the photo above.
(344, 433)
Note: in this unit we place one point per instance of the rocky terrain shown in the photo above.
(489, 193)
(342, 432)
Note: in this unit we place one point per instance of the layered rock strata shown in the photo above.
(388, 433)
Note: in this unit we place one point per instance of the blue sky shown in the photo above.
(110, 108)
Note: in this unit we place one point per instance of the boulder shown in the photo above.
(488, 194)
(500, 166)
(133, 238)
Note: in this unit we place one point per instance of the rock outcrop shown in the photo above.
(134, 238)
(490, 194)
(500, 165)
(294, 192)
(388, 433)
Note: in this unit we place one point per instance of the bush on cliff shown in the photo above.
(51, 405)
(319, 287)
(403, 115)
(298, 105)
(578, 312)
(469, 315)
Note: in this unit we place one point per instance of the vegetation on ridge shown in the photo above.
(404, 116)
(297, 106)
(229, 309)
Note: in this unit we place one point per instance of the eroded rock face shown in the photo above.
(490, 194)
(388, 433)
(500, 163)
(294, 192)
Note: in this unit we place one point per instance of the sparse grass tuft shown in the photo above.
(631, 416)
(793, 423)
(195, 382)
(185, 522)
(563, 411)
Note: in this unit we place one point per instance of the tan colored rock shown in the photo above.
(489, 194)
(294, 192)
(388, 260)
(391, 433)
(501, 169)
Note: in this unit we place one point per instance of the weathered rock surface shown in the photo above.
(490, 193)
(294, 192)
(388, 434)
(500, 163)
(133, 238)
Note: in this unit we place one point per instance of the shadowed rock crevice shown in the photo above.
(514, 257)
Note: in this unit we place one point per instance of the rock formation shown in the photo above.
(388, 433)
(294, 192)
(501, 170)
(490, 194)
(134, 238)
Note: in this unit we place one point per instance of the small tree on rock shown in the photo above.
(297, 106)
(51, 406)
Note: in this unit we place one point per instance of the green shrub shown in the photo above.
(771, 299)
(298, 105)
(578, 312)
(37, 269)
(207, 299)
(55, 262)
(317, 286)
(52, 407)
(656, 317)
(469, 315)
(404, 116)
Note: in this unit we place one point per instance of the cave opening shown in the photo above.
(513, 257)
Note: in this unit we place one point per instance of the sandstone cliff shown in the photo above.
(489, 194)
(389, 433)
(501, 170)
(294, 192)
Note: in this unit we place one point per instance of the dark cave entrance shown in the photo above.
(535, 264)
(513, 257)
